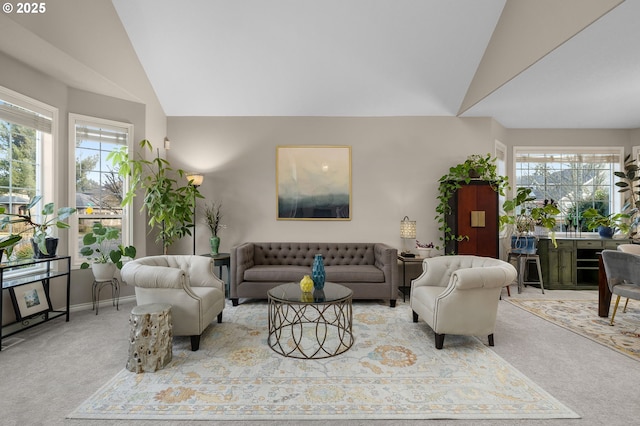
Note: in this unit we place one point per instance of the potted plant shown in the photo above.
(478, 166)
(102, 250)
(629, 185)
(424, 249)
(485, 168)
(168, 198)
(607, 225)
(8, 242)
(521, 215)
(212, 217)
(44, 245)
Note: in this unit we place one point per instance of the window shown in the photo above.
(577, 179)
(27, 127)
(97, 187)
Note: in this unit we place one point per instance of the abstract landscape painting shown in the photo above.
(313, 182)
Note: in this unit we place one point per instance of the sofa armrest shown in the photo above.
(386, 259)
(241, 260)
(435, 273)
(485, 277)
(201, 274)
(153, 276)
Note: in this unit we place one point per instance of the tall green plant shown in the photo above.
(168, 201)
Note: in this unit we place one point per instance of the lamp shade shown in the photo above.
(195, 179)
(407, 228)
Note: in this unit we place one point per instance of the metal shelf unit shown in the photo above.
(53, 267)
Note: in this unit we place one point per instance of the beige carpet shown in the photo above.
(393, 371)
(581, 317)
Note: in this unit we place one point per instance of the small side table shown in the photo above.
(220, 260)
(403, 288)
(115, 292)
(150, 337)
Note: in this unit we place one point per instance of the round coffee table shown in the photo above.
(310, 325)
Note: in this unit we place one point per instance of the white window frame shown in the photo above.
(46, 179)
(127, 217)
(616, 197)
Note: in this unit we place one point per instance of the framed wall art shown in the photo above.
(313, 182)
(29, 299)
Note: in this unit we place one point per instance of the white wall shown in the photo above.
(396, 163)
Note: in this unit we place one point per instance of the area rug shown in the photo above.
(581, 317)
(392, 371)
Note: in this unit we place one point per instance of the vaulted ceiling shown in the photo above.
(542, 63)
(526, 63)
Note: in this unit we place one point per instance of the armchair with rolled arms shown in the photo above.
(459, 295)
(623, 275)
(185, 282)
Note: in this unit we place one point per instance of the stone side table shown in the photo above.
(151, 337)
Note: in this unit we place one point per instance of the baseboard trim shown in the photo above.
(102, 303)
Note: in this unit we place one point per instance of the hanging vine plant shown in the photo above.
(474, 167)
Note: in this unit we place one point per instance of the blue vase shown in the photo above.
(318, 296)
(317, 272)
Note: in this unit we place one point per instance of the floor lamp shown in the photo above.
(194, 179)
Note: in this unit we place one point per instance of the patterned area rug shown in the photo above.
(393, 371)
(581, 317)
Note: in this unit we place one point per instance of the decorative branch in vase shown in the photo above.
(212, 217)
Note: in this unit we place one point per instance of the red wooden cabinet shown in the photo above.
(474, 213)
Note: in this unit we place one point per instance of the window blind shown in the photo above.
(558, 156)
(24, 117)
(102, 134)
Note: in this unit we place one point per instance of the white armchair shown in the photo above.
(459, 295)
(187, 283)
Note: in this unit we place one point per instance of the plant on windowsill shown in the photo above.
(485, 168)
(168, 198)
(44, 246)
(629, 185)
(7, 243)
(607, 225)
(101, 249)
(521, 215)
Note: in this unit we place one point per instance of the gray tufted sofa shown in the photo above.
(369, 269)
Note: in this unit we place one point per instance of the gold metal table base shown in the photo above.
(310, 330)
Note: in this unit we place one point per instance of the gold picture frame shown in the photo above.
(313, 182)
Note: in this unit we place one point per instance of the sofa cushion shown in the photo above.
(276, 273)
(302, 254)
(354, 273)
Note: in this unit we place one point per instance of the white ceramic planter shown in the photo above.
(424, 252)
(104, 271)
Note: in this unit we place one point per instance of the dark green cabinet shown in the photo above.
(557, 263)
(573, 264)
